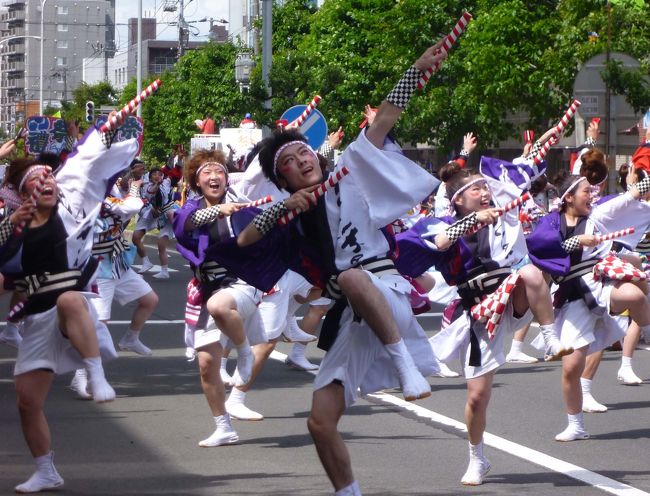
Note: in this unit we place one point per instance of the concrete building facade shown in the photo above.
(72, 30)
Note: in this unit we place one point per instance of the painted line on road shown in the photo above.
(453, 426)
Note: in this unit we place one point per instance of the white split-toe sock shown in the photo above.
(79, 384)
(98, 386)
(226, 378)
(245, 361)
(478, 466)
(223, 434)
(237, 409)
(575, 431)
(554, 350)
(414, 385)
(131, 342)
(11, 335)
(350, 490)
(297, 359)
(589, 403)
(46, 477)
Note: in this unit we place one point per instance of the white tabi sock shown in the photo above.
(45, 477)
(516, 346)
(350, 490)
(145, 260)
(476, 450)
(298, 350)
(586, 385)
(237, 397)
(577, 420)
(164, 268)
(626, 361)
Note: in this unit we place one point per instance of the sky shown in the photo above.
(194, 11)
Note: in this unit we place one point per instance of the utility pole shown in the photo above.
(267, 47)
(182, 30)
(138, 50)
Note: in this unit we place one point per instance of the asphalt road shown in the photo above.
(146, 441)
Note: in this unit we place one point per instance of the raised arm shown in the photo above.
(395, 103)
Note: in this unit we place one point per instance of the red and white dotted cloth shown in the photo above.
(491, 309)
(612, 267)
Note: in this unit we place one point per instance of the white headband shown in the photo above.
(462, 189)
(571, 188)
(34, 169)
(282, 148)
(204, 165)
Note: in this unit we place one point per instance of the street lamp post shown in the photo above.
(40, 91)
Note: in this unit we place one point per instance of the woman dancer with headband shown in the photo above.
(477, 262)
(223, 307)
(565, 244)
(61, 331)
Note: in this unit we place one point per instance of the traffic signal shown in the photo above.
(90, 111)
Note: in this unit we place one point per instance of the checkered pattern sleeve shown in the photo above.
(458, 229)
(404, 89)
(205, 216)
(643, 186)
(590, 141)
(464, 153)
(535, 149)
(6, 229)
(108, 137)
(265, 221)
(572, 244)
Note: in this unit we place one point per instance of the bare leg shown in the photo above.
(572, 368)
(209, 359)
(137, 241)
(327, 407)
(146, 305)
(31, 390)
(479, 391)
(262, 352)
(313, 317)
(162, 250)
(75, 323)
(223, 309)
(369, 303)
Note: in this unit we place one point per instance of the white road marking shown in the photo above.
(152, 270)
(448, 424)
(156, 248)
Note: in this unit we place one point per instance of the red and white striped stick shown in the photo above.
(130, 107)
(332, 181)
(507, 207)
(447, 43)
(568, 115)
(33, 199)
(616, 234)
(559, 129)
(261, 201)
(303, 117)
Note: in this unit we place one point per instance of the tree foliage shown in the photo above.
(100, 94)
(517, 57)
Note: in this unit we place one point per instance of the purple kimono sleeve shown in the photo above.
(191, 244)
(545, 246)
(415, 257)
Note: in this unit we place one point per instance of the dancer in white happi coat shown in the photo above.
(156, 214)
(478, 262)
(566, 245)
(54, 253)
(375, 342)
(221, 309)
(115, 277)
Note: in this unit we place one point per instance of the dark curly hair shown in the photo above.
(269, 147)
(17, 168)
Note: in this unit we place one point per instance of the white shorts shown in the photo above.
(277, 308)
(360, 361)
(206, 331)
(147, 224)
(45, 347)
(129, 287)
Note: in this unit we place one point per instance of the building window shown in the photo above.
(62, 44)
(62, 28)
(62, 10)
(61, 61)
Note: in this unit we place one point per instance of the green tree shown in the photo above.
(202, 81)
(100, 94)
